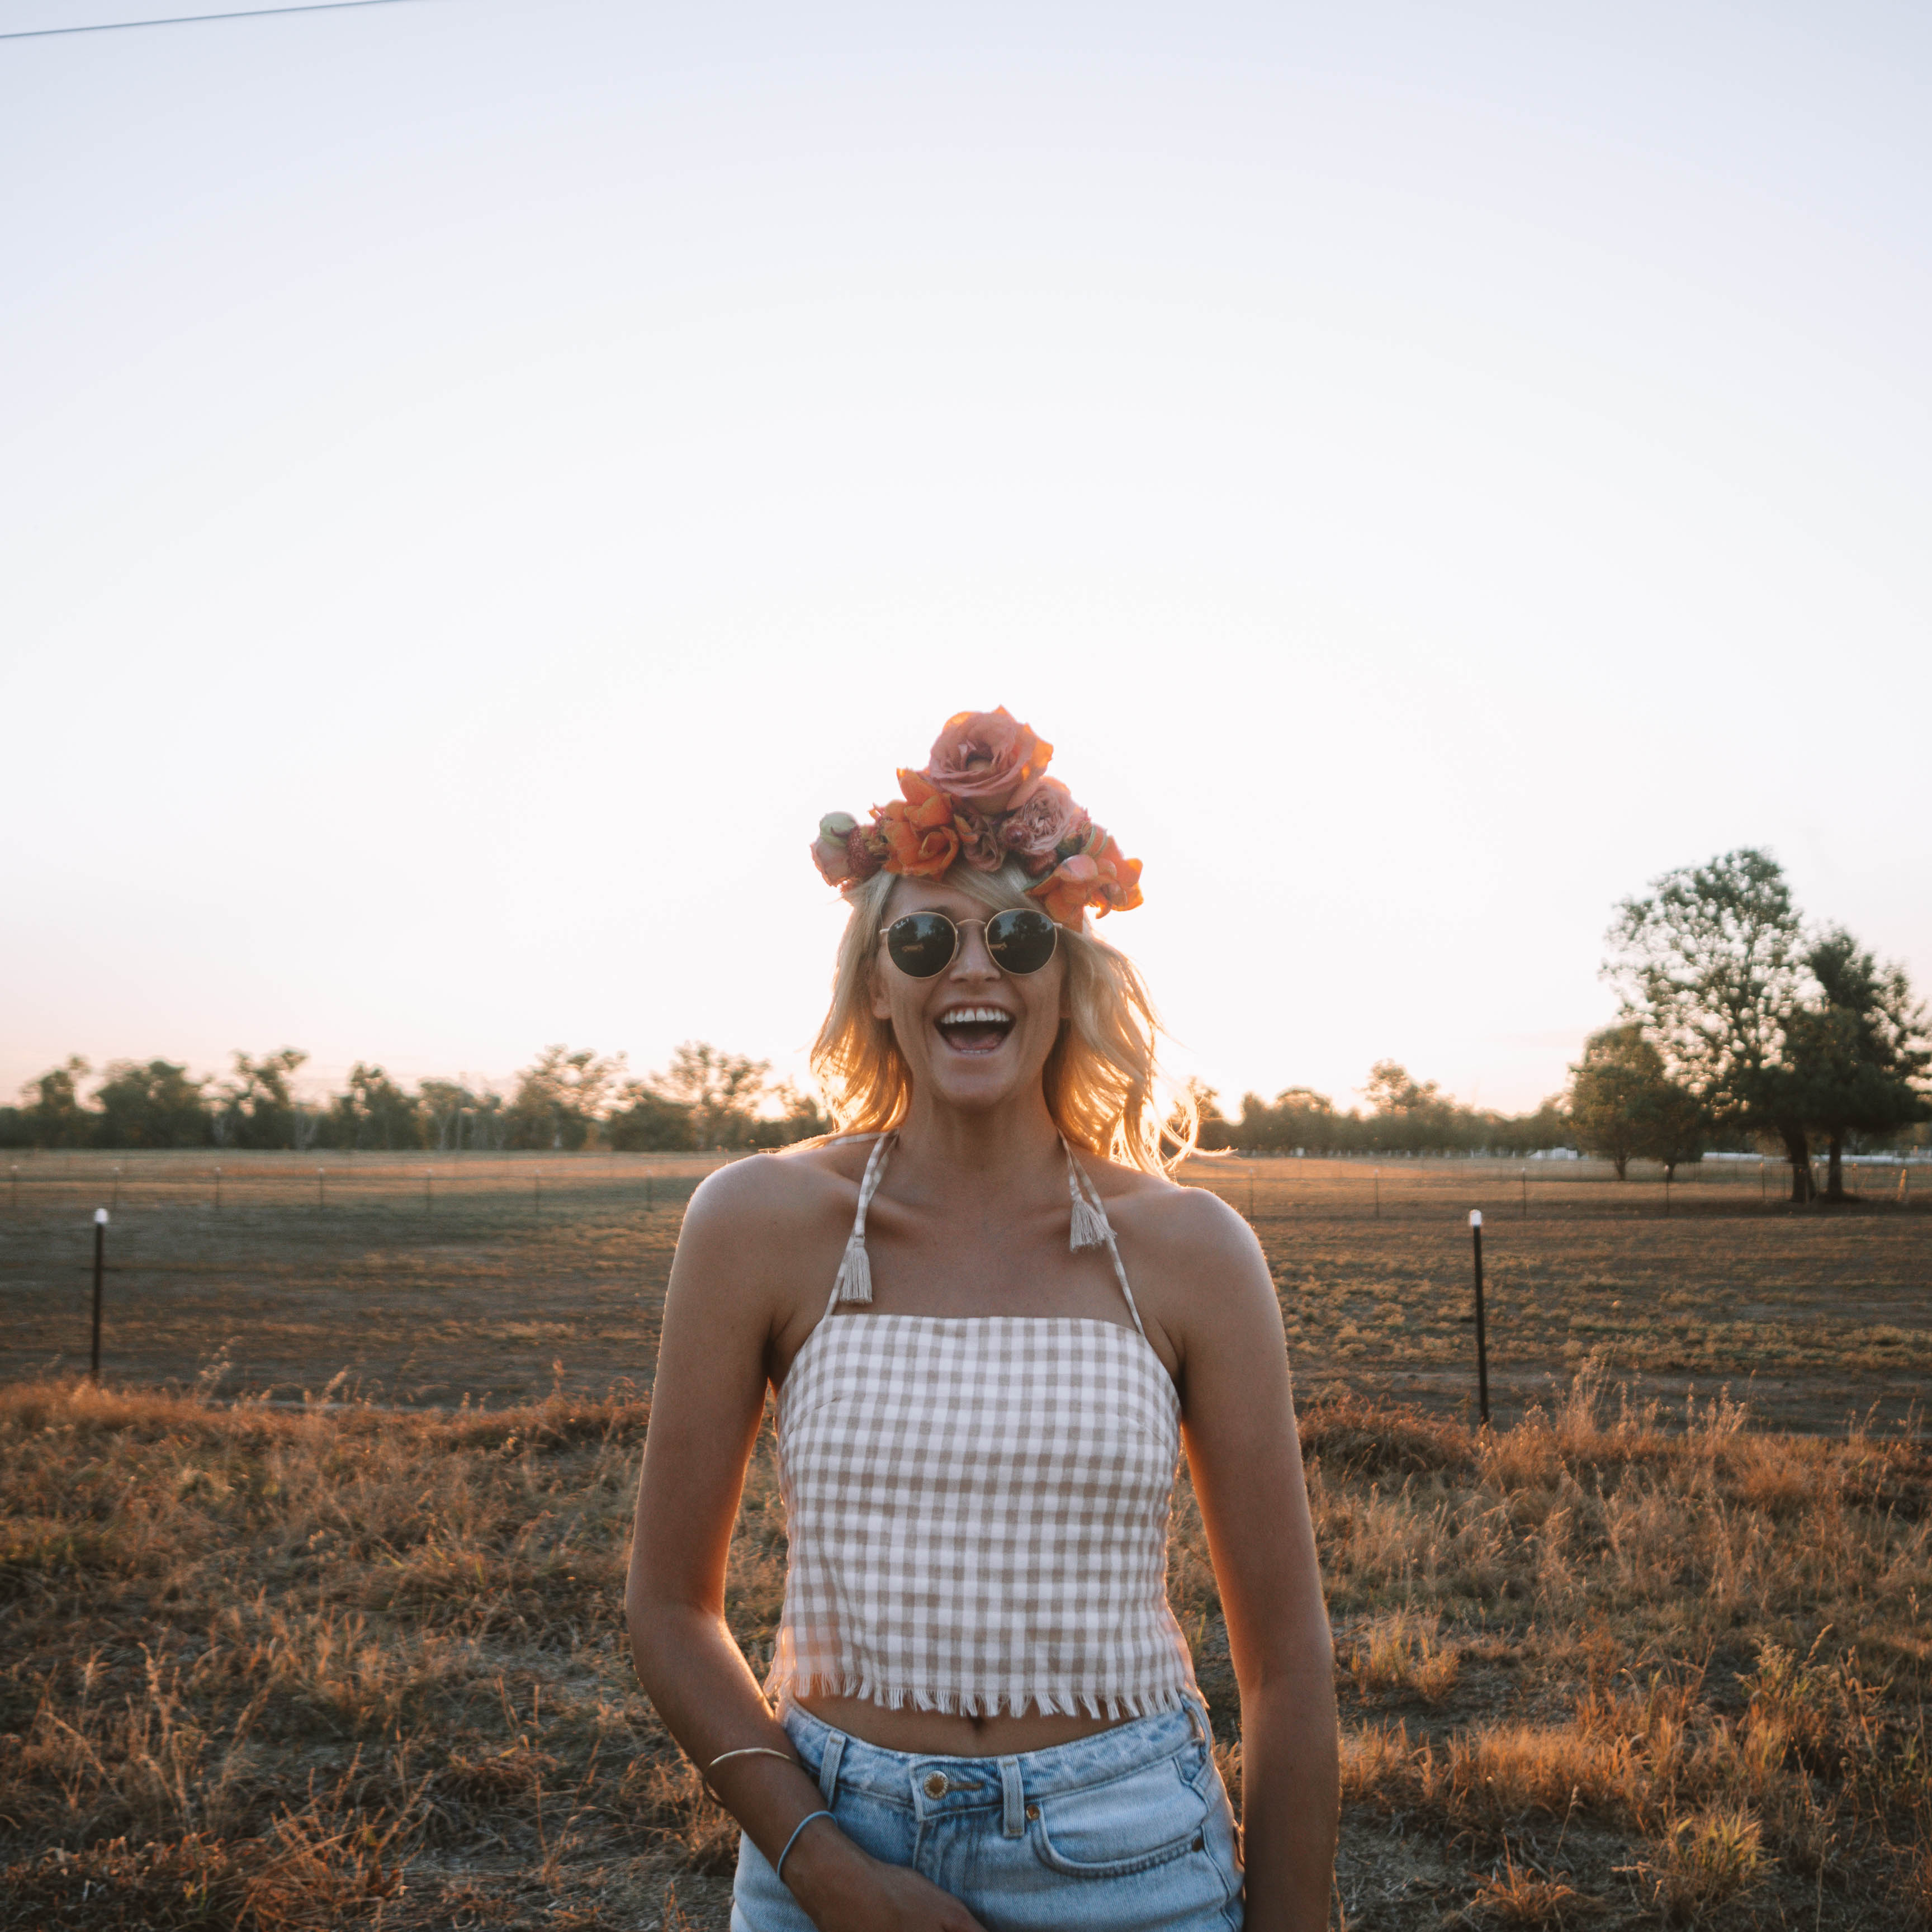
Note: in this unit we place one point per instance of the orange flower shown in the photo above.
(1098, 876)
(920, 841)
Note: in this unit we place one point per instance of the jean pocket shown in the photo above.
(1128, 1824)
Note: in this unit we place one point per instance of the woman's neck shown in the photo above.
(947, 1149)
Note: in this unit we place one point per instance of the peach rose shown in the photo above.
(988, 760)
(1047, 821)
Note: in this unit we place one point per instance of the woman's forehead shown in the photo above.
(933, 895)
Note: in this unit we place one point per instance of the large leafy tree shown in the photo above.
(1624, 1106)
(1711, 961)
(153, 1104)
(1857, 1049)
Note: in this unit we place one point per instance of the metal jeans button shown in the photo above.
(935, 1784)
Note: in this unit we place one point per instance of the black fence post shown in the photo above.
(99, 1268)
(1482, 1333)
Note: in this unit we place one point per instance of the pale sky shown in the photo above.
(478, 478)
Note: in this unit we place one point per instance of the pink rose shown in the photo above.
(987, 760)
(1045, 820)
(980, 843)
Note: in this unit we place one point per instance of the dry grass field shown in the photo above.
(1631, 1660)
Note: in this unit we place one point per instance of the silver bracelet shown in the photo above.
(751, 1751)
(778, 1869)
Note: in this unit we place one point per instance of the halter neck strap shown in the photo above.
(1088, 1228)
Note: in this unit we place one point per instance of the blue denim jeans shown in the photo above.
(1124, 1831)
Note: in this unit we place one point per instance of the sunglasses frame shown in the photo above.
(959, 926)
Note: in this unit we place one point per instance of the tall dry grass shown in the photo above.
(341, 1666)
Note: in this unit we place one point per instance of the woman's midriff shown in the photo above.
(948, 1734)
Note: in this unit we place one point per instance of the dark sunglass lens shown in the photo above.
(921, 944)
(1022, 941)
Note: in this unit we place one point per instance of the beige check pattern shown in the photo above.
(978, 1512)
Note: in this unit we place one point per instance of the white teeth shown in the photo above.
(974, 1016)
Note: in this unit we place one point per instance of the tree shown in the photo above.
(374, 1112)
(1213, 1130)
(151, 1105)
(799, 1117)
(54, 1116)
(647, 1122)
(257, 1108)
(1711, 964)
(723, 1090)
(561, 1101)
(1624, 1106)
(456, 1117)
(1299, 1118)
(1858, 1050)
(1407, 1113)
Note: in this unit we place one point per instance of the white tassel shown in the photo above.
(855, 1272)
(1088, 1230)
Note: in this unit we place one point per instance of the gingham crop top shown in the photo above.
(978, 1505)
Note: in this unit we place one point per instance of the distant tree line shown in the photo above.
(566, 1101)
(1403, 1115)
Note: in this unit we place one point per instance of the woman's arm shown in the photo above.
(1246, 1460)
(723, 1310)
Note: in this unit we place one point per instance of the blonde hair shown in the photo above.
(1103, 1083)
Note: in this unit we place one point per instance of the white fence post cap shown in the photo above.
(100, 1217)
(1475, 1217)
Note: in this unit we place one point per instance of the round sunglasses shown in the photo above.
(1019, 941)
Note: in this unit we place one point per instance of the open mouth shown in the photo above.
(975, 1029)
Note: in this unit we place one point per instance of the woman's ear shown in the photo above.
(882, 1004)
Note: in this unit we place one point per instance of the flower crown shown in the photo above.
(985, 797)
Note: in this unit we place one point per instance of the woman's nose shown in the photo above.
(973, 961)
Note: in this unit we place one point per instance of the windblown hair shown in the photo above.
(1104, 1086)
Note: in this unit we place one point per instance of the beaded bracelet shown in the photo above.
(778, 1869)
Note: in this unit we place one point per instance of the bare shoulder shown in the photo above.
(768, 1197)
(1171, 1225)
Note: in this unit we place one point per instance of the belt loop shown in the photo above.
(1197, 1719)
(1015, 1794)
(828, 1768)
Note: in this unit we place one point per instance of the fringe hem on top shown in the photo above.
(1063, 1703)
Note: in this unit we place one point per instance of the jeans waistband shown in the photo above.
(927, 1782)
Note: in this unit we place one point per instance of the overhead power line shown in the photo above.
(195, 20)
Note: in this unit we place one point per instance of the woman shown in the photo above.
(991, 1320)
